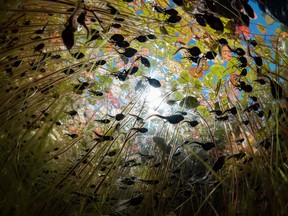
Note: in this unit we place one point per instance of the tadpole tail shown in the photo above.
(111, 116)
(196, 142)
(179, 50)
(70, 19)
(132, 115)
(232, 50)
(88, 33)
(100, 136)
(162, 117)
(137, 58)
(248, 49)
(228, 110)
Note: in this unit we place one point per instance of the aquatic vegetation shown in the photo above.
(142, 108)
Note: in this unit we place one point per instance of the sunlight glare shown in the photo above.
(154, 98)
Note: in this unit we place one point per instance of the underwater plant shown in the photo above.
(142, 107)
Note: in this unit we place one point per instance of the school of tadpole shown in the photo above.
(143, 107)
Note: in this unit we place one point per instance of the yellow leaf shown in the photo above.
(185, 34)
(204, 65)
(261, 28)
(174, 66)
(162, 3)
(269, 20)
(278, 30)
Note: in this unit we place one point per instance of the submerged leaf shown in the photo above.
(217, 70)
(160, 143)
(190, 102)
(163, 30)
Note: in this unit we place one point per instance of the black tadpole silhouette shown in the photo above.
(72, 113)
(78, 55)
(193, 51)
(72, 136)
(140, 130)
(117, 38)
(138, 118)
(206, 146)
(145, 62)
(192, 123)
(81, 20)
(129, 52)
(118, 117)
(210, 55)
(112, 153)
(217, 112)
(96, 93)
(113, 10)
(39, 47)
(81, 87)
(142, 38)
(121, 76)
(102, 138)
(173, 119)
(94, 35)
(116, 25)
(68, 33)
(132, 70)
(219, 163)
(103, 121)
(41, 31)
(153, 82)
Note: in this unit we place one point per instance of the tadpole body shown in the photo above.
(81, 20)
(173, 119)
